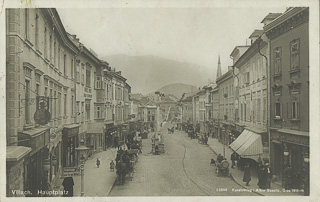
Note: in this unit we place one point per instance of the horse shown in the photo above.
(122, 170)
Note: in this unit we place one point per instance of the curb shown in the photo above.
(243, 185)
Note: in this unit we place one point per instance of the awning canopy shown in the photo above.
(248, 145)
(15, 153)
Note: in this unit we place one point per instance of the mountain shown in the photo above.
(145, 74)
(177, 89)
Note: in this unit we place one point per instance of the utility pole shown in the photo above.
(82, 178)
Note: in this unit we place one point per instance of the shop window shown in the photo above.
(294, 54)
(277, 61)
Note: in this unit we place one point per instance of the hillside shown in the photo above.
(177, 89)
(146, 74)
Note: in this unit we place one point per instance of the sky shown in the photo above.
(195, 35)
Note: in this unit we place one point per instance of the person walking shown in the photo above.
(98, 163)
(68, 186)
(233, 159)
(268, 176)
(112, 166)
(247, 174)
(261, 177)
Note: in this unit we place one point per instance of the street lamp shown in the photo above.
(82, 151)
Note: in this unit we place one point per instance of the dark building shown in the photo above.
(289, 100)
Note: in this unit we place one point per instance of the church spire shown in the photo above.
(219, 68)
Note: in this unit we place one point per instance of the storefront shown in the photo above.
(70, 142)
(15, 162)
(290, 158)
(36, 177)
(109, 135)
(94, 138)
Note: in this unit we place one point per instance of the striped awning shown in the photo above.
(248, 145)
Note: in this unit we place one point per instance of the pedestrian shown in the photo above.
(247, 174)
(288, 177)
(98, 163)
(219, 158)
(112, 166)
(261, 177)
(268, 176)
(233, 159)
(68, 186)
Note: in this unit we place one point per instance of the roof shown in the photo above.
(256, 33)
(271, 16)
(15, 153)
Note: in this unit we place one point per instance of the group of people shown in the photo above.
(264, 175)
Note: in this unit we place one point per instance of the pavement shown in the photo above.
(97, 181)
(237, 175)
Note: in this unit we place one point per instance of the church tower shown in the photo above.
(219, 69)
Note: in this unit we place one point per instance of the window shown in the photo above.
(55, 105)
(78, 72)
(37, 89)
(263, 68)
(50, 51)
(45, 42)
(27, 23)
(72, 69)
(258, 109)
(59, 53)
(37, 32)
(82, 75)
(50, 101)
(72, 105)
(242, 114)
(254, 71)
(55, 53)
(295, 106)
(59, 105)
(277, 62)
(98, 112)
(65, 105)
(253, 110)
(246, 78)
(88, 80)
(82, 111)
(46, 92)
(277, 110)
(64, 64)
(27, 106)
(264, 109)
(88, 111)
(294, 54)
(98, 83)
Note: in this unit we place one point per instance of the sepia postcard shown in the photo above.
(160, 100)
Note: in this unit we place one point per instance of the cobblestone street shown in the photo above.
(184, 170)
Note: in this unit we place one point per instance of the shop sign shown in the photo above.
(42, 116)
(70, 171)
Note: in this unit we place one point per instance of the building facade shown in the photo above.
(226, 107)
(56, 96)
(289, 103)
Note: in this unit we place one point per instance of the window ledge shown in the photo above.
(294, 70)
(294, 120)
(277, 118)
(27, 126)
(276, 75)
